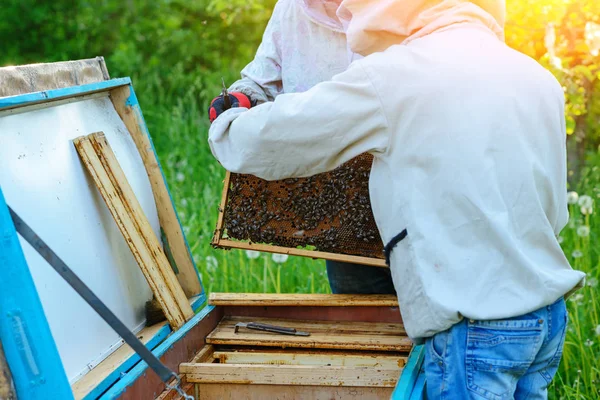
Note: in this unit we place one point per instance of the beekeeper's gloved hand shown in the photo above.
(217, 106)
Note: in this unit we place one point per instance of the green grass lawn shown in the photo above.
(196, 180)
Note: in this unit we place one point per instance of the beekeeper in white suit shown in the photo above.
(468, 185)
(304, 44)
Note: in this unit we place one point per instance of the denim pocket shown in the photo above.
(499, 353)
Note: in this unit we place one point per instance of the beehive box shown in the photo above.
(356, 348)
(325, 216)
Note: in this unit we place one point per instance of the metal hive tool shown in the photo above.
(329, 212)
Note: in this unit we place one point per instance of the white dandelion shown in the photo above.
(252, 254)
(211, 263)
(592, 282)
(585, 201)
(589, 343)
(180, 177)
(577, 254)
(572, 197)
(598, 330)
(587, 210)
(583, 231)
(279, 258)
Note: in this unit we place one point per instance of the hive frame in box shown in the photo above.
(125, 376)
(224, 243)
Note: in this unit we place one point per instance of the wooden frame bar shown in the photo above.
(109, 178)
(291, 375)
(331, 335)
(219, 241)
(176, 246)
(303, 300)
(299, 357)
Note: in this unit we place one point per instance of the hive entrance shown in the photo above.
(329, 213)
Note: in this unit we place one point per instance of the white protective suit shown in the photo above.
(303, 44)
(468, 138)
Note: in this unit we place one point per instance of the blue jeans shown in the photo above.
(501, 359)
(346, 278)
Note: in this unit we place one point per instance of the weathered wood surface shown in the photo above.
(320, 313)
(291, 375)
(108, 176)
(132, 118)
(187, 387)
(6, 384)
(268, 392)
(324, 335)
(302, 300)
(234, 244)
(218, 234)
(310, 358)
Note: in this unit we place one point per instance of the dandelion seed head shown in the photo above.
(587, 210)
(585, 201)
(577, 254)
(589, 343)
(583, 231)
(211, 263)
(597, 330)
(180, 177)
(252, 254)
(572, 197)
(279, 258)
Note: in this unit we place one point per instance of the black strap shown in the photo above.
(392, 243)
(81, 288)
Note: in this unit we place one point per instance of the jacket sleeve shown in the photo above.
(261, 79)
(303, 134)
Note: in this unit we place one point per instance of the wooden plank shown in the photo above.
(7, 391)
(135, 227)
(171, 394)
(111, 165)
(218, 235)
(126, 106)
(302, 300)
(324, 335)
(233, 244)
(291, 375)
(211, 391)
(327, 313)
(109, 371)
(306, 358)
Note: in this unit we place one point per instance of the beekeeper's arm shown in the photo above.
(303, 134)
(261, 79)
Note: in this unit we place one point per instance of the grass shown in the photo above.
(178, 126)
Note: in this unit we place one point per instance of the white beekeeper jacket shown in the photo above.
(303, 44)
(468, 138)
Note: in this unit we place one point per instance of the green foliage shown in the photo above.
(176, 52)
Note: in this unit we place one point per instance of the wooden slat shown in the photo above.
(302, 300)
(125, 209)
(233, 244)
(132, 118)
(324, 335)
(305, 358)
(222, 205)
(291, 375)
(212, 391)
